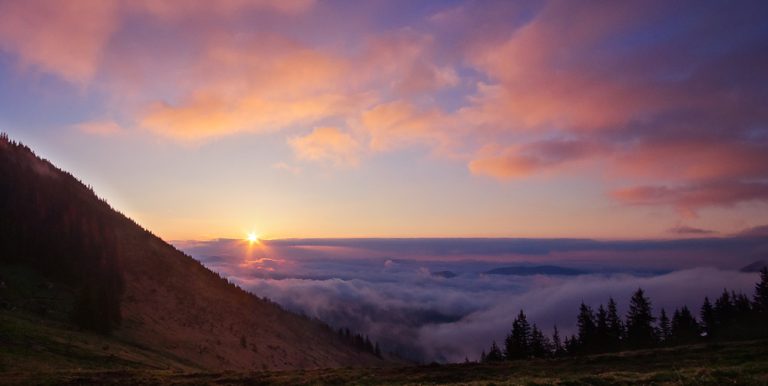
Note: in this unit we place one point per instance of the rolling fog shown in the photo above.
(437, 300)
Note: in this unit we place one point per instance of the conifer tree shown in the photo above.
(494, 354)
(557, 344)
(760, 301)
(723, 311)
(539, 344)
(517, 343)
(615, 326)
(601, 330)
(665, 329)
(640, 331)
(587, 328)
(685, 329)
(708, 317)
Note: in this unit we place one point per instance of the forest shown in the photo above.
(732, 316)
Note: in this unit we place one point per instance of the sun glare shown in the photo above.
(252, 238)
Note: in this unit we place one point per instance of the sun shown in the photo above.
(252, 237)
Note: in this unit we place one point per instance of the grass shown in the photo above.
(734, 363)
(42, 348)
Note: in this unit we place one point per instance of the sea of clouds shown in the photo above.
(434, 300)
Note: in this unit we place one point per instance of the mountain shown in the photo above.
(99, 273)
(535, 270)
(755, 266)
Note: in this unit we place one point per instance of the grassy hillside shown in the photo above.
(69, 262)
(741, 363)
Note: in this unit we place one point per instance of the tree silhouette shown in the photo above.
(684, 327)
(733, 316)
(760, 300)
(708, 317)
(640, 331)
(517, 343)
(587, 328)
(724, 312)
(615, 326)
(557, 344)
(665, 329)
(540, 346)
(494, 354)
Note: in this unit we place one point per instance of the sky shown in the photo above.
(298, 118)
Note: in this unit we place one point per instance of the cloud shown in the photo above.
(671, 118)
(527, 159)
(758, 231)
(63, 38)
(383, 287)
(104, 128)
(327, 144)
(691, 197)
(577, 72)
(399, 123)
(287, 167)
(686, 230)
(170, 10)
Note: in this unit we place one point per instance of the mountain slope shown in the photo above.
(128, 282)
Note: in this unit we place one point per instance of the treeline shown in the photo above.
(731, 316)
(360, 342)
(53, 222)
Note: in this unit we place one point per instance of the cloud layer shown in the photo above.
(397, 290)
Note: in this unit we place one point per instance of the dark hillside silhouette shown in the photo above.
(133, 285)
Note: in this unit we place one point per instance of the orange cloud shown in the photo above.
(399, 123)
(66, 38)
(205, 116)
(327, 144)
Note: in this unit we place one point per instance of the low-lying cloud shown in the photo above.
(434, 300)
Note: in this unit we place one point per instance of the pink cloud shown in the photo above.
(63, 38)
(399, 123)
(327, 144)
(678, 120)
(104, 128)
(689, 198)
(527, 159)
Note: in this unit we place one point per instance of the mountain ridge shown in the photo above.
(134, 285)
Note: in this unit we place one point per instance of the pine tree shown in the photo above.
(685, 329)
(708, 317)
(494, 354)
(724, 311)
(539, 344)
(557, 344)
(572, 345)
(587, 328)
(760, 301)
(665, 329)
(517, 343)
(640, 332)
(615, 326)
(602, 341)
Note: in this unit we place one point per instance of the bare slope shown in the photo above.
(128, 282)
